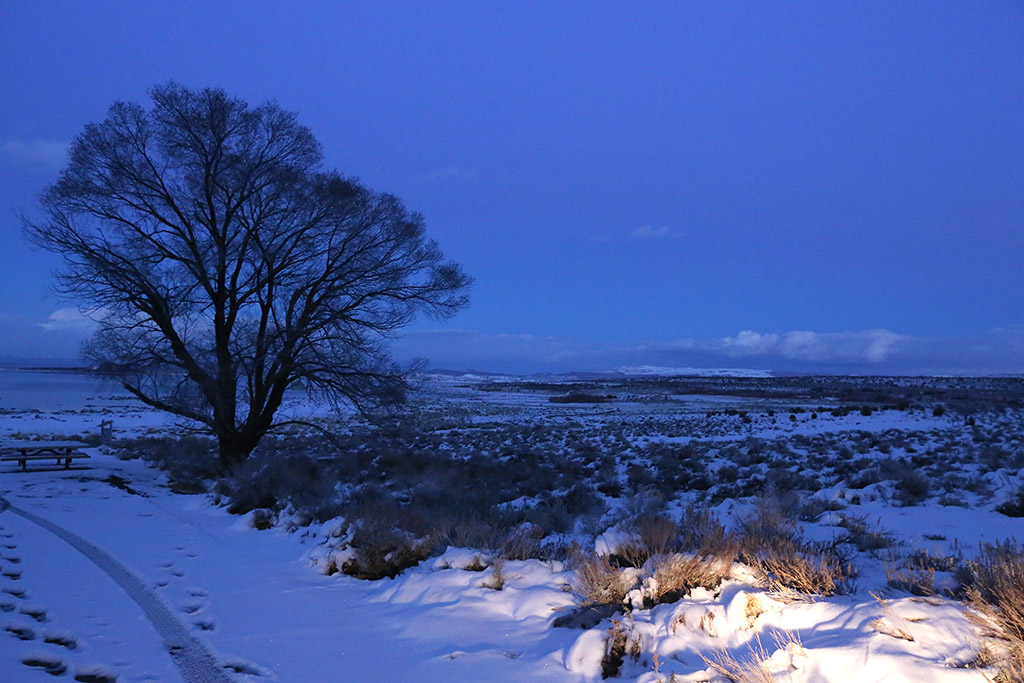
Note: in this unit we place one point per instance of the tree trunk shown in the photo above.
(236, 447)
(233, 451)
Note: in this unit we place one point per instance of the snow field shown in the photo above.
(261, 600)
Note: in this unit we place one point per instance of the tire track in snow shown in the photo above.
(194, 660)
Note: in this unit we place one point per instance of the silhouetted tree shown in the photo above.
(230, 267)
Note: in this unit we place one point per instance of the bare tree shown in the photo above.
(230, 267)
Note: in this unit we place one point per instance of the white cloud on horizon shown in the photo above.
(73, 319)
(868, 351)
(50, 154)
(865, 351)
(868, 346)
(647, 231)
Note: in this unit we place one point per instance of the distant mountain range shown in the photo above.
(647, 370)
(633, 371)
(12, 363)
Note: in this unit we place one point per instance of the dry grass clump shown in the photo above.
(655, 552)
(676, 575)
(622, 641)
(794, 573)
(597, 582)
(755, 667)
(496, 581)
(753, 607)
(702, 533)
(770, 542)
(914, 580)
(891, 623)
(655, 534)
(771, 523)
(997, 591)
(615, 640)
(652, 535)
(382, 549)
(860, 533)
(916, 573)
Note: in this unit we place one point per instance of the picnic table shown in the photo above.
(58, 451)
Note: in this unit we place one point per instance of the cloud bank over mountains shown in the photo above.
(858, 352)
(878, 351)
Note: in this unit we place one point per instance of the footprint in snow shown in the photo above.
(65, 639)
(12, 574)
(49, 663)
(197, 592)
(20, 631)
(96, 673)
(12, 559)
(16, 592)
(192, 607)
(242, 666)
(204, 624)
(6, 606)
(36, 612)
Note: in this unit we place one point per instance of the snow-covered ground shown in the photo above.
(258, 600)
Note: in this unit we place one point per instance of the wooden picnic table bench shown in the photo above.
(23, 451)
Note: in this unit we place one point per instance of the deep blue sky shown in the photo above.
(814, 186)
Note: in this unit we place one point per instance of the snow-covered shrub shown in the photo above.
(865, 478)
(813, 508)
(996, 458)
(653, 534)
(912, 488)
(190, 462)
(1014, 505)
(772, 522)
(382, 549)
(863, 535)
(276, 480)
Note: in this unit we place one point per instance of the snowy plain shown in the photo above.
(259, 599)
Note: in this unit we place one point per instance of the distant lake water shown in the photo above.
(51, 391)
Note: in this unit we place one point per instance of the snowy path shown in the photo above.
(250, 596)
(265, 615)
(193, 659)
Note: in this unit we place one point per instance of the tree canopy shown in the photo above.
(229, 266)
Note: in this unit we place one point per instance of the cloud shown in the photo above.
(49, 154)
(504, 352)
(869, 346)
(802, 350)
(450, 172)
(872, 351)
(750, 343)
(646, 231)
(73, 320)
